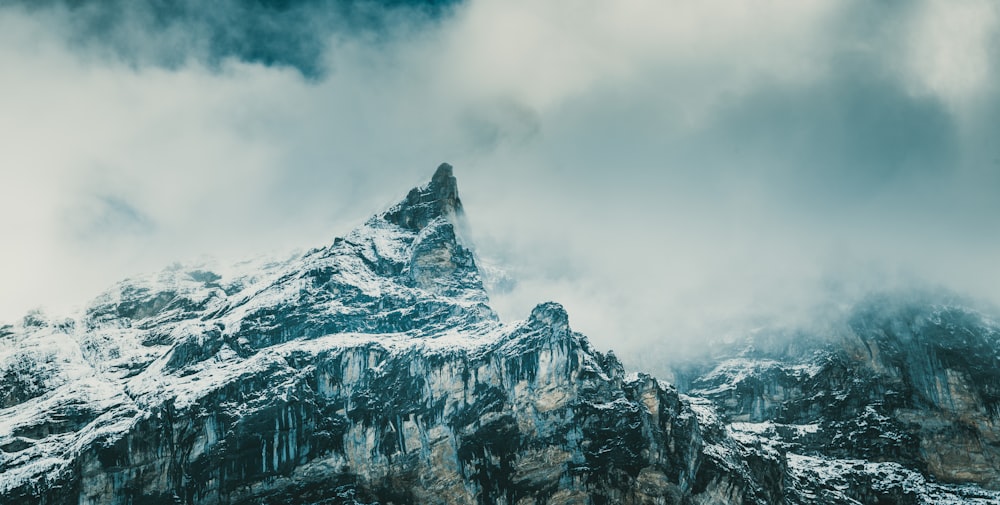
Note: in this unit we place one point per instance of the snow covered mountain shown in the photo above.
(883, 407)
(373, 370)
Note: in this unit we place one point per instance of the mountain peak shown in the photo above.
(438, 198)
(444, 174)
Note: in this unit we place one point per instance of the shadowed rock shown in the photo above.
(422, 205)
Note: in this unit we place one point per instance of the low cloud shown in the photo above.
(668, 171)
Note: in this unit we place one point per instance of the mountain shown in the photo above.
(373, 370)
(883, 407)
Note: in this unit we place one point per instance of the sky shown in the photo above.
(668, 170)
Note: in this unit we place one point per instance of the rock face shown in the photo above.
(368, 371)
(899, 400)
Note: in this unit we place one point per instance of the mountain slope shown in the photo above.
(886, 409)
(368, 371)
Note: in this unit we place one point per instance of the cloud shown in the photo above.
(172, 34)
(668, 170)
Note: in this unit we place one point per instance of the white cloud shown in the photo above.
(595, 144)
(952, 48)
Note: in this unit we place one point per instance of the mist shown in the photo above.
(670, 172)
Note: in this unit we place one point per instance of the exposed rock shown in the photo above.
(439, 199)
(903, 399)
(368, 371)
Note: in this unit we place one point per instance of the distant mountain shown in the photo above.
(373, 370)
(901, 399)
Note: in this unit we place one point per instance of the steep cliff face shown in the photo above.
(890, 408)
(368, 371)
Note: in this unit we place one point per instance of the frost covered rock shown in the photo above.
(897, 406)
(371, 370)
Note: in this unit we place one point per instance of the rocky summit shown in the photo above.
(373, 370)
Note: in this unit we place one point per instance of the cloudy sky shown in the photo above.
(661, 167)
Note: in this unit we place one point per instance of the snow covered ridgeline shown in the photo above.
(373, 370)
(370, 370)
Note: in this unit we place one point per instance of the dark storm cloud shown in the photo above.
(291, 33)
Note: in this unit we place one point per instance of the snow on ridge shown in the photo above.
(835, 474)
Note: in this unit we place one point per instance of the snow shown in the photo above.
(839, 474)
(703, 409)
(616, 404)
(388, 242)
(86, 396)
(728, 374)
(769, 427)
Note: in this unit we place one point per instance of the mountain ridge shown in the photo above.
(372, 370)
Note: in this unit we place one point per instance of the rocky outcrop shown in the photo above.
(368, 371)
(422, 205)
(894, 406)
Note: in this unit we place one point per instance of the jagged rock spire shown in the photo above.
(439, 198)
(438, 262)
